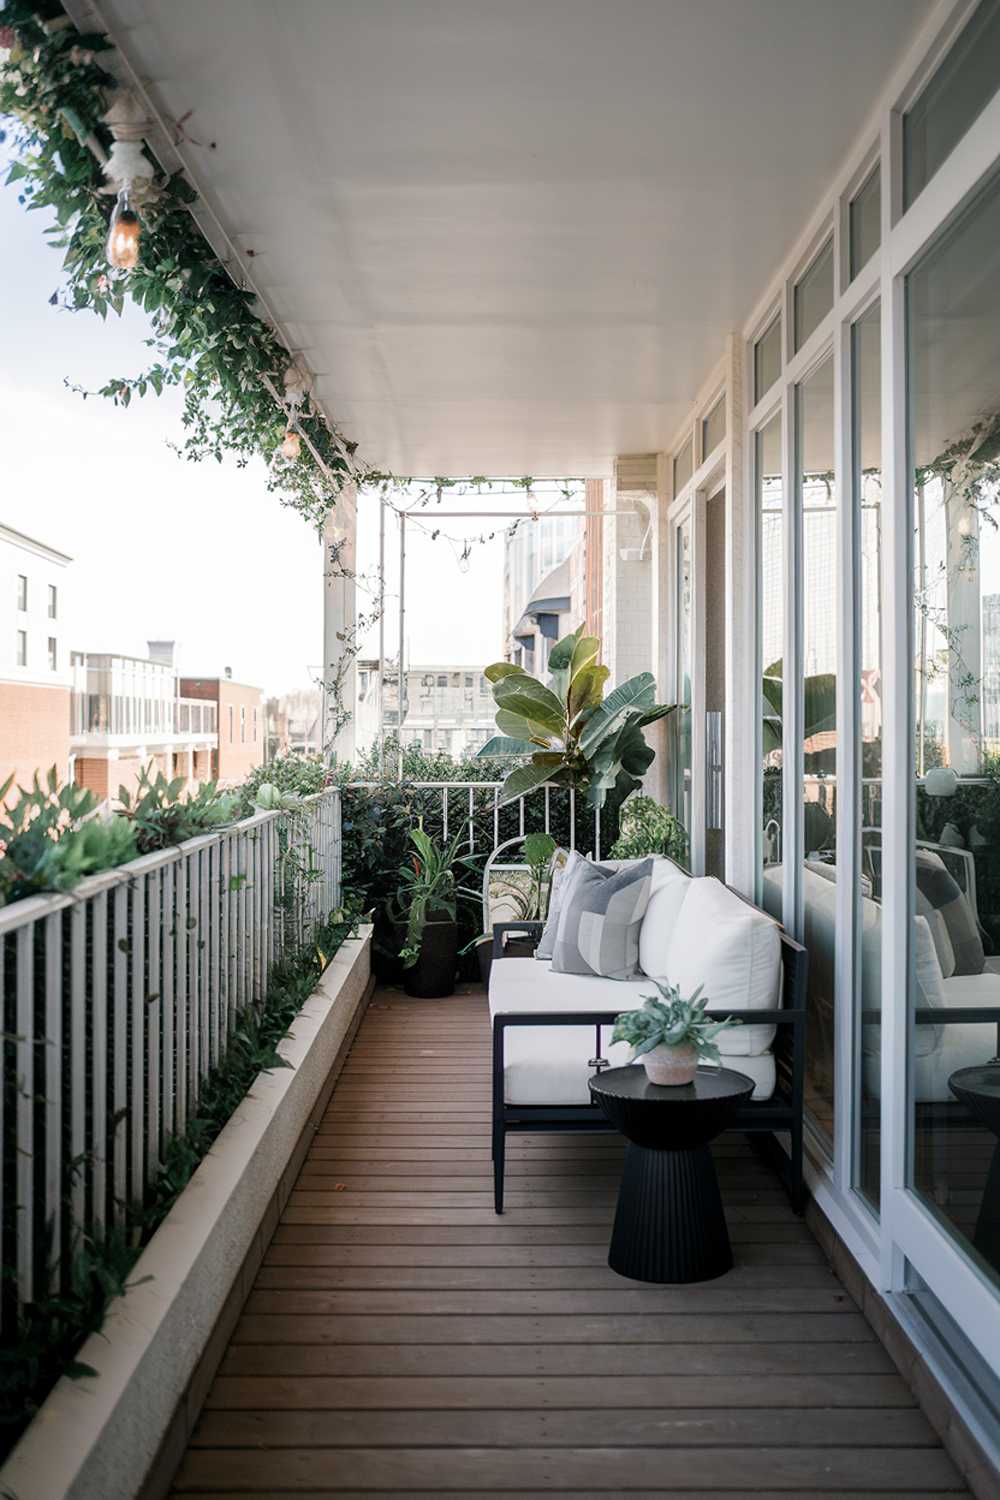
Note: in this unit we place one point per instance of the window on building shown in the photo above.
(243, 724)
(683, 465)
(255, 726)
(865, 221)
(468, 679)
(442, 679)
(484, 685)
(22, 591)
(713, 427)
(767, 359)
(813, 296)
(22, 648)
(53, 601)
(231, 723)
(53, 654)
(953, 354)
(953, 100)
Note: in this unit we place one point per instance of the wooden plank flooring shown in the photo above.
(401, 1339)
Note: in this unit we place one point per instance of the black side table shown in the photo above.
(669, 1224)
(979, 1090)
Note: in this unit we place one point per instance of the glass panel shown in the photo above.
(713, 428)
(771, 628)
(865, 215)
(866, 361)
(683, 466)
(814, 295)
(680, 720)
(814, 441)
(767, 360)
(953, 337)
(953, 100)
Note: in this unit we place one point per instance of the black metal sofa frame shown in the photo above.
(760, 1121)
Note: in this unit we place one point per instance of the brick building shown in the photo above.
(240, 712)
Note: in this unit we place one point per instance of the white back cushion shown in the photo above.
(733, 951)
(670, 887)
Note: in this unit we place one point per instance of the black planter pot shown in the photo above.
(433, 974)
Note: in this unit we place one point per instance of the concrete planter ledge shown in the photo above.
(102, 1436)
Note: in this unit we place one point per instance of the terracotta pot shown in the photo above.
(671, 1065)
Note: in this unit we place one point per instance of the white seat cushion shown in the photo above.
(550, 1064)
(734, 951)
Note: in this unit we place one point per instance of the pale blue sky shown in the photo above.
(166, 549)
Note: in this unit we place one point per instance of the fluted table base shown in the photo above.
(669, 1224)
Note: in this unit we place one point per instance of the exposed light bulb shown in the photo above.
(123, 237)
(292, 445)
(965, 523)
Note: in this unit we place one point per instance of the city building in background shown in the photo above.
(240, 716)
(446, 708)
(34, 663)
(536, 587)
(127, 716)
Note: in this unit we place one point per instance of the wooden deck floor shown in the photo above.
(401, 1339)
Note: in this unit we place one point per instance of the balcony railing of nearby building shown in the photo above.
(197, 716)
(118, 1000)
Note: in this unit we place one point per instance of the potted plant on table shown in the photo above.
(671, 1035)
(424, 911)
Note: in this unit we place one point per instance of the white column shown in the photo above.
(660, 633)
(743, 691)
(339, 627)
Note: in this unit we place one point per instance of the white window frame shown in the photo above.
(907, 1233)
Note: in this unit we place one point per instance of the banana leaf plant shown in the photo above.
(568, 733)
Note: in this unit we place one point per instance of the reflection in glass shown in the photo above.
(955, 97)
(683, 466)
(953, 339)
(680, 719)
(713, 428)
(866, 365)
(814, 448)
(865, 222)
(767, 359)
(814, 295)
(771, 627)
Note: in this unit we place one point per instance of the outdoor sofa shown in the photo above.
(551, 1031)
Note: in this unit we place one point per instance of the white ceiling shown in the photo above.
(511, 235)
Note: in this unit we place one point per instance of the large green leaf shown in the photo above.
(587, 689)
(505, 744)
(531, 699)
(501, 669)
(637, 693)
(524, 779)
(561, 655)
(518, 728)
(585, 651)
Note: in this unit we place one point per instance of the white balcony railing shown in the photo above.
(476, 807)
(119, 998)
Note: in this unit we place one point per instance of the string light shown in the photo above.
(124, 235)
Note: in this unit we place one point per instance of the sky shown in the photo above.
(196, 553)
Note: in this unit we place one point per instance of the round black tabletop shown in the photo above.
(979, 1089)
(676, 1117)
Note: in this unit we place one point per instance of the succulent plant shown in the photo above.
(668, 1020)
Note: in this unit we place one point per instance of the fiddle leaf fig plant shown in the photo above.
(668, 1020)
(567, 732)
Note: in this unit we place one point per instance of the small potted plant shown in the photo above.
(424, 912)
(671, 1035)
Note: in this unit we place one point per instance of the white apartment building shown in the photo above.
(34, 660)
(447, 709)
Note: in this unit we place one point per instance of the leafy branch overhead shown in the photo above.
(209, 339)
(569, 733)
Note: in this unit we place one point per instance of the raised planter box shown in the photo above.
(101, 1436)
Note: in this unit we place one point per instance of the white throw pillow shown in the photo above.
(670, 887)
(733, 951)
